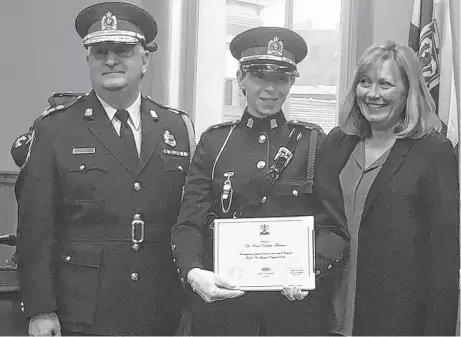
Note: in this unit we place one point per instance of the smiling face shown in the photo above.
(381, 95)
(265, 91)
(116, 66)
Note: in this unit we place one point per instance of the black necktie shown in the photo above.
(126, 134)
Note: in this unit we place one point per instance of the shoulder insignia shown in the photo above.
(21, 147)
(174, 110)
(22, 160)
(222, 125)
(68, 102)
(307, 125)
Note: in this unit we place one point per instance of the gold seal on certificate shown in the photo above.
(266, 253)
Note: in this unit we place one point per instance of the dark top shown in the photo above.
(408, 256)
(247, 148)
(356, 180)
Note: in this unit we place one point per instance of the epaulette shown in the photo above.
(60, 98)
(221, 125)
(307, 125)
(65, 104)
(175, 110)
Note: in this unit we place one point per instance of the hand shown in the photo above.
(45, 325)
(211, 286)
(294, 293)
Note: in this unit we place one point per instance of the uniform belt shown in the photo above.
(152, 232)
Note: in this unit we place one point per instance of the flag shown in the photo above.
(431, 38)
(424, 39)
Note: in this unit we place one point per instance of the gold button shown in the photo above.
(182, 279)
(317, 272)
(180, 168)
(135, 247)
(67, 258)
(178, 270)
(134, 276)
(82, 167)
(263, 199)
(137, 186)
(262, 139)
(329, 266)
(295, 193)
(261, 164)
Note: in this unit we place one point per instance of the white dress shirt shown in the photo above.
(134, 121)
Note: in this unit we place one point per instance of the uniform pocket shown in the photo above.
(294, 187)
(84, 182)
(78, 280)
(174, 164)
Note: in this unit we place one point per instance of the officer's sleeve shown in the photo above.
(36, 193)
(187, 233)
(331, 237)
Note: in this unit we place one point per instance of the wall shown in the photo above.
(391, 20)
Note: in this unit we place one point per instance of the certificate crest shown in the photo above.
(264, 230)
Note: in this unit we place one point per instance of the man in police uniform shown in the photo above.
(99, 191)
(259, 166)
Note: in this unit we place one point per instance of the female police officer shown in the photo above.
(240, 155)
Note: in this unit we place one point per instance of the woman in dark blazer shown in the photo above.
(390, 175)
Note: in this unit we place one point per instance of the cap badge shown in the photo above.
(275, 47)
(109, 21)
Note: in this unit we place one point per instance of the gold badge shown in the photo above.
(275, 47)
(109, 22)
(153, 114)
(169, 138)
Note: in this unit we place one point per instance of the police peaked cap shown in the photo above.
(274, 49)
(116, 22)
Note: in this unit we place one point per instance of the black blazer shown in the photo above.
(408, 258)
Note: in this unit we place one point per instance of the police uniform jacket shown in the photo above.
(77, 197)
(247, 147)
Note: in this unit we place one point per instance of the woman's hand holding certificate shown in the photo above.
(211, 286)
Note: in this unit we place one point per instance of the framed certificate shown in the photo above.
(266, 253)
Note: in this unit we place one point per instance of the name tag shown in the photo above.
(83, 150)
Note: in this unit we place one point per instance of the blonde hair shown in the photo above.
(419, 117)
